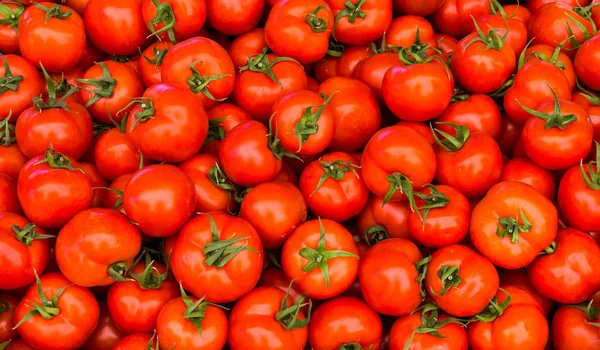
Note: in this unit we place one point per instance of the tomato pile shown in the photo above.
(299, 174)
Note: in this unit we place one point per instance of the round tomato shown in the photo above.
(150, 62)
(233, 17)
(115, 155)
(588, 73)
(478, 112)
(522, 170)
(361, 21)
(19, 84)
(8, 304)
(377, 221)
(176, 20)
(411, 32)
(9, 201)
(350, 58)
(247, 45)
(10, 14)
(455, 17)
(371, 70)
(555, 56)
(221, 119)
(573, 328)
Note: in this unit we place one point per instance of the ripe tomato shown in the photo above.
(266, 318)
(565, 271)
(518, 278)
(51, 36)
(138, 341)
(410, 31)
(444, 219)
(150, 62)
(512, 224)
(187, 323)
(389, 277)
(350, 58)
(455, 17)
(478, 112)
(12, 158)
(372, 69)
(8, 304)
(275, 209)
(115, 155)
(555, 56)
(10, 14)
(15, 70)
(344, 321)
(514, 29)
(221, 119)
(112, 198)
(218, 257)
(417, 8)
(514, 320)
(160, 199)
(585, 54)
(202, 66)
(9, 201)
(460, 281)
(522, 170)
(320, 255)
(116, 27)
(105, 335)
(71, 313)
(377, 221)
(233, 17)
(573, 328)
(247, 45)
(159, 133)
(176, 20)
(360, 22)
(52, 189)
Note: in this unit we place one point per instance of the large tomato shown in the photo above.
(24, 82)
(455, 17)
(573, 328)
(234, 17)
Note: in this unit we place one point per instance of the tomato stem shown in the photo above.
(550, 249)
(308, 124)
(5, 344)
(105, 85)
(219, 252)
(118, 271)
(57, 160)
(510, 226)
(4, 306)
(571, 37)
(288, 316)
(195, 312)
(53, 89)
(9, 81)
(593, 180)
(449, 278)
(350, 346)
(375, 234)
(400, 182)
(159, 56)
(351, 12)
(273, 141)
(260, 64)
(494, 309)
(431, 323)
(335, 170)
(54, 11)
(318, 25)
(11, 16)
(436, 199)
(6, 132)
(145, 114)
(215, 130)
(150, 278)
(199, 83)
(335, 49)
(28, 234)
(491, 40)
(555, 119)
(422, 266)
(164, 15)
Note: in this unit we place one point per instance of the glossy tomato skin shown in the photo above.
(454, 16)
(350, 58)
(478, 112)
(115, 155)
(518, 278)
(121, 21)
(514, 29)
(247, 45)
(443, 226)
(160, 199)
(545, 52)
(55, 43)
(98, 182)
(222, 118)
(217, 284)
(568, 275)
(355, 110)
(393, 217)
(506, 200)
(587, 73)
(105, 335)
(479, 280)
(13, 103)
(523, 170)
(372, 70)
(50, 197)
(96, 239)
(177, 129)
(361, 29)
(138, 341)
(388, 277)
(8, 304)
(344, 320)
(578, 203)
(253, 317)
(275, 209)
(189, 18)
(9, 42)
(571, 328)
(110, 199)
(234, 17)
(9, 200)
(246, 157)
(417, 8)
(150, 62)
(79, 312)
(454, 337)
(522, 325)
(342, 269)
(209, 197)
(12, 160)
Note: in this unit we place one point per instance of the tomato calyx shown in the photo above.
(5, 344)
(571, 38)
(100, 128)
(150, 278)
(460, 95)
(54, 11)
(152, 341)
(351, 12)
(591, 312)
(28, 234)
(164, 15)
(375, 234)
(199, 83)
(159, 55)
(350, 346)
(318, 25)
(47, 308)
(118, 271)
(54, 90)
(401, 182)
(221, 181)
(288, 316)
(320, 256)
(422, 266)
(431, 323)
(435, 199)
(261, 64)
(335, 49)
(384, 47)
(494, 309)
(593, 180)
(586, 11)
(145, 114)
(9, 81)
(451, 143)
(195, 312)
(273, 142)
(550, 249)
(589, 95)
(555, 119)
(4, 306)
(509, 226)
(57, 160)
(11, 16)
(335, 170)
(491, 40)
(496, 7)
(105, 85)
(215, 130)
(449, 278)
(7, 131)
(220, 251)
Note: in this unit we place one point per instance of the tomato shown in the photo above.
(16, 70)
(454, 17)
(428, 329)
(150, 62)
(555, 56)
(202, 66)
(572, 328)
(372, 69)
(520, 12)
(162, 135)
(51, 36)
(591, 103)
(249, 155)
(579, 194)
(320, 255)
(377, 221)
(388, 277)
(91, 55)
(186, 323)
(222, 118)
(160, 199)
(266, 318)
(535, 5)
(417, 92)
(105, 335)
(518, 278)
(52, 189)
(176, 20)
(460, 281)
(446, 43)
(12, 158)
(510, 134)
(445, 217)
(327, 67)
(8, 303)
(275, 277)
(112, 198)
(207, 270)
(64, 83)
(516, 321)
(234, 17)
(360, 22)
(406, 31)
(565, 271)
(138, 341)
(306, 23)
(8, 195)
(533, 85)
(514, 29)
(134, 304)
(116, 27)
(587, 53)
(525, 171)
(350, 58)
(512, 224)
(10, 14)
(478, 112)
(247, 45)
(558, 135)
(344, 321)
(56, 295)
(275, 209)
(417, 8)
(115, 155)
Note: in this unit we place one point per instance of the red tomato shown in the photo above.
(138, 341)
(455, 17)
(115, 155)
(12, 158)
(207, 270)
(112, 198)
(9, 202)
(234, 17)
(523, 170)
(535, 5)
(247, 45)
(176, 20)
(520, 12)
(344, 321)
(91, 55)
(512, 224)
(98, 182)
(588, 52)
(555, 56)
(17, 70)
(73, 313)
(460, 281)
(377, 221)
(350, 58)
(518, 278)
(321, 257)
(105, 335)
(53, 188)
(8, 304)
(406, 31)
(19, 344)
(514, 29)
(572, 328)
(360, 22)
(10, 14)
(372, 69)
(116, 27)
(275, 277)
(160, 199)
(221, 119)
(159, 133)
(150, 62)
(417, 8)
(478, 112)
